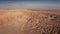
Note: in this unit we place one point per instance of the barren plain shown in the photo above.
(25, 21)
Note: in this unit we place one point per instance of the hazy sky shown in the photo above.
(35, 4)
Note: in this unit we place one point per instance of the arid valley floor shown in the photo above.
(25, 21)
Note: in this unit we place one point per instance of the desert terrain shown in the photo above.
(25, 21)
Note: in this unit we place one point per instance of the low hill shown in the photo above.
(25, 21)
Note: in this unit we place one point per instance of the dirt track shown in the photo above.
(29, 22)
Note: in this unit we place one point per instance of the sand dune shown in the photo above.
(24, 21)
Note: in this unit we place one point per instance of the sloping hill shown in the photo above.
(23, 21)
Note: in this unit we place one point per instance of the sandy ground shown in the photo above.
(24, 21)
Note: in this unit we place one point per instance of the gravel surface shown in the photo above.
(29, 22)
